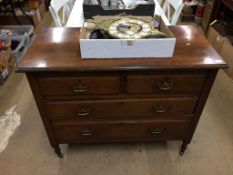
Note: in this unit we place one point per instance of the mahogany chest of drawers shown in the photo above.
(119, 100)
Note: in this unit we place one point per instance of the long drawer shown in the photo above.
(89, 110)
(135, 130)
(165, 84)
(70, 86)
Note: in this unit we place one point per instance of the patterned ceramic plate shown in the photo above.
(129, 28)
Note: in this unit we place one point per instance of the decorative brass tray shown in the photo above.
(129, 28)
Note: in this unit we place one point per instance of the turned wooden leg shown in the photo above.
(58, 151)
(183, 147)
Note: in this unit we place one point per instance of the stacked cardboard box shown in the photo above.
(220, 37)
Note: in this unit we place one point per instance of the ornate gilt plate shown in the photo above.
(129, 28)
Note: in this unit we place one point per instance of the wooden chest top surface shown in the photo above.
(57, 49)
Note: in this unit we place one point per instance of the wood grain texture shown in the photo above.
(57, 49)
(156, 84)
(79, 86)
(92, 132)
(120, 109)
(121, 98)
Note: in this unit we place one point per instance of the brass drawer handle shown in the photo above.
(165, 85)
(87, 132)
(82, 112)
(156, 130)
(161, 109)
(80, 88)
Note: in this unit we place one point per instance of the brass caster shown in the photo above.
(181, 153)
(60, 155)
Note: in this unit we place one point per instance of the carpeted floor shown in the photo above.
(29, 152)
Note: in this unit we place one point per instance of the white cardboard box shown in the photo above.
(124, 48)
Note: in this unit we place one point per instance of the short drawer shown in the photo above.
(70, 86)
(89, 110)
(144, 130)
(165, 84)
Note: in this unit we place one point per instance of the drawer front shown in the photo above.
(145, 130)
(165, 84)
(62, 86)
(89, 110)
